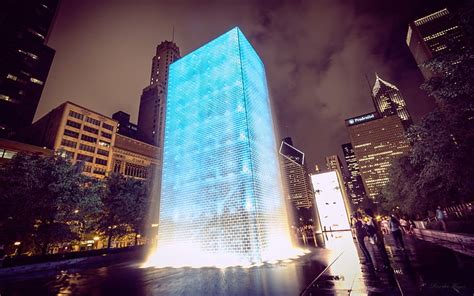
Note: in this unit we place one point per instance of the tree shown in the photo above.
(41, 196)
(440, 168)
(125, 206)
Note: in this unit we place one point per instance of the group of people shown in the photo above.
(367, 226)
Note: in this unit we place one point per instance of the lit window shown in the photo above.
(4, 97)
(12, 77)
(34, 80)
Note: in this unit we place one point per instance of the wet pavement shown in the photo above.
(423, 269)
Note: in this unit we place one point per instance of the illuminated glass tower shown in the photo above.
(222, 201)
(389, 101)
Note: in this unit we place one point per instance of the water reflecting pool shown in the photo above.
(127, 278)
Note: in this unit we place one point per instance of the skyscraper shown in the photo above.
(377, 141)
(388, 100)
(334, 163)
(354, 182)
(298, 184)
(222, 200)
(432, 36)
(151, 114)
(25, 60)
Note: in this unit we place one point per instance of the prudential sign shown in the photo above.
(361, 119)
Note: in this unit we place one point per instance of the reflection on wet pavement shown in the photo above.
(335, 269)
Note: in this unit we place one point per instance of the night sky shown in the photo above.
(316, 55)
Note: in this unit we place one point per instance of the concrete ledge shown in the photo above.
(459, 242)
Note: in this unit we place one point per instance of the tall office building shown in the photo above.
(25, 60)
(432, 36)
(356, 190)
(82, 134)
(334, 163)
(388, 101)
(222, 200)
(377, 141)
(298, 184)
(151, 114)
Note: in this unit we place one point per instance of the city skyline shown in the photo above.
(101, 64)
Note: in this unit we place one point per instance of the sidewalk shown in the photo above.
(427, 269)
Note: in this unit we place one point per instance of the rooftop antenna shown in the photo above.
(172, 36)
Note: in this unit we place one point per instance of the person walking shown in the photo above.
(440, 217)
(361, 233)
(378, 238)
(396, 232)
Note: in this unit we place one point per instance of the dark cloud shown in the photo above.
(316, 55)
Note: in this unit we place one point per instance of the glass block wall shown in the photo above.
(221, 197)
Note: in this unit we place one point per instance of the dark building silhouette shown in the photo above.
(388, 101)
(25, 60)
(354, 180)
(298, 184)
(432, 36)
(125, 127)
(151, 115)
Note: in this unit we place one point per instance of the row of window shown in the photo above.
(88, 129)
(88, 169)
(88, 158)
(84, 147)
(77, 115)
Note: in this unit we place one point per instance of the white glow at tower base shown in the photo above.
(190, 256)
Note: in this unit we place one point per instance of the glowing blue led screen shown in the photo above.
(221, 193)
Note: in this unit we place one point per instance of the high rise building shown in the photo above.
(151, 114)
(298, 185)
(92, 139)
(166, 53)
(334, 163)
(356, 190)
(125, 127)
(222, 200)
(432, 36)
(82, 134)
(388, 101)
(377, 141)
(25, 60)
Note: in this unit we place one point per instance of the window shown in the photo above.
(87, 148)
(84, 157)
(88, 139)
(68, 143)
(104, 143)
(102, 152)
(71, 133)
(99, 171)
(7, 154)
(87, 169)
(93, 121)
(91, 129)
(108, 126)
(101, 161)
(73, 124)
(76, 115)
(69, 154)
(106, 135)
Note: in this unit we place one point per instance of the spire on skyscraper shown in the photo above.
(379, 83)
(388, 100)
